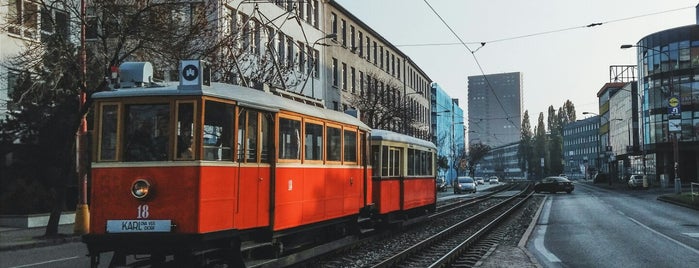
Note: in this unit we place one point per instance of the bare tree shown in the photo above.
(383, 105)
(44, 108)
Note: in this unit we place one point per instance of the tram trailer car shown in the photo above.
(180, 170)
(403, 176)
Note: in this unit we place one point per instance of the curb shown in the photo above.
(42, 242)
(668, 200)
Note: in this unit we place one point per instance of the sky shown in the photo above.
(546, 40)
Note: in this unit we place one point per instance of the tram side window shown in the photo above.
(266, 137)
(350, 146)
(289, 139)
(375, 157)
(146, 132)
(247, 136)
(185, 135)
(108, 141)
(412, 162)
(313, 142)
(217, 131)
(334, 144)
(390, 163)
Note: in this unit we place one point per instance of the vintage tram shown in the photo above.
(202, 171)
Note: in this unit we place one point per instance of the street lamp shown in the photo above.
(673, 110)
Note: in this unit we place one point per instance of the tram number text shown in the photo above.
(143, 212)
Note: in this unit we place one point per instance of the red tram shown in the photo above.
(181, 170)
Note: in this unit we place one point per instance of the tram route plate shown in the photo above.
(138, 226)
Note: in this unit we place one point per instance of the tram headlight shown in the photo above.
(140, 188)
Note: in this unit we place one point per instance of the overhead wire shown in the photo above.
(490, 86)
(483, 43)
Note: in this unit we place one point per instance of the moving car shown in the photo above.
(464, 184)
(635, 181)
(554, 184)
(479, 180)
(494, 180)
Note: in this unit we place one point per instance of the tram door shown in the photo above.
(254, 154)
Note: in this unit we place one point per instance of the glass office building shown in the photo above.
(668, 71)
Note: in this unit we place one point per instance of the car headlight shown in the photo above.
(140, 188)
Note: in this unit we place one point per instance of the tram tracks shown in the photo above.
(380, 250)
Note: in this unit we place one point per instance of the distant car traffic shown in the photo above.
(635, 181)
(494, 180)
(464, 184)
(554, 184)
(480, 181)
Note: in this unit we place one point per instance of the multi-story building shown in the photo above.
(606, 155)
(624, 132)
(495, 108)
(360, 60)
(448, 132)
(668, 67)
(24, 21)
(581, 147)
(501, 161)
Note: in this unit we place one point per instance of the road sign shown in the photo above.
(673, 102)
(674, 125)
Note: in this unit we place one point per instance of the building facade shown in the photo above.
(360, 60)
(448, 132)
(501, 161)
(581, 148)
(668, 71)
(495, 108)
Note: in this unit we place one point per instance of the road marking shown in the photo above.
(694, 235)
(46, 262)
(664, 236)
(541, 234)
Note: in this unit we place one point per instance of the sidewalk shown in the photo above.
(21, 238)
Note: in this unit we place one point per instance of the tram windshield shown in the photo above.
(146, 132)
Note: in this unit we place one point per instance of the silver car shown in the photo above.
(464, 184)
(635, 181)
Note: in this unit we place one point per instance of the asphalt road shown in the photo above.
(594, 227)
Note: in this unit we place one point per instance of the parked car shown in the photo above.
(635, 181)
(494, 180)
(441, 184)
(554, 184)
(464, 184)
(479, 180)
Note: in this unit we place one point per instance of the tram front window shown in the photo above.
(146, 132)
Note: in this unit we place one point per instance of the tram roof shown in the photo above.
(244, 96)
(386, 135)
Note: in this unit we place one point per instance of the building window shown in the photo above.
(302, 57)
(316, 65)
(54, 22)
(335, 74)
(333, 21)
(343, 26)
(353, 80)
(361, 44)
(22, 18)
(344, 76)
(353, 43)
